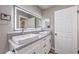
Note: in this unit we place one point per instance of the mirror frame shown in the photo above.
(15, 17)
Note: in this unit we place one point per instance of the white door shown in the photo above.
(66, 30)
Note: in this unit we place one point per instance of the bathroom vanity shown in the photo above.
(38, 43)
(32, 37)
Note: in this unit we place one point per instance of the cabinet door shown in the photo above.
(26, 50)
(46, 44)
(39, 48)
(31, 51)
(39, 51)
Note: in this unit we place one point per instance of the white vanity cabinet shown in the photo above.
(47, 44)
(42, 46)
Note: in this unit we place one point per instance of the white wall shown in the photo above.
(6, 26)
(49, 13)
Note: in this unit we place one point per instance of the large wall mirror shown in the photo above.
(25, 19)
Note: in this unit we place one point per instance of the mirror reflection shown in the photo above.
(24, 19)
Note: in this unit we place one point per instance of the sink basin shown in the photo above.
(43, 34)
(25, 39)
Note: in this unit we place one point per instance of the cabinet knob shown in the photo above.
(34, 52)
(44, 45)
(45, 52)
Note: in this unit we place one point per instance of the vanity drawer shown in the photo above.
(46, 48)
(36, 49)
(47, 38)
(47, 44)
(30, 51)
(39, 50)
(25, 50)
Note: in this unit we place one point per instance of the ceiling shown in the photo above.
(43, 7)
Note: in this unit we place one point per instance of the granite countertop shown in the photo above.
(18, 47)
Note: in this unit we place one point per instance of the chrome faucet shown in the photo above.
(22, 26)
(22, 31)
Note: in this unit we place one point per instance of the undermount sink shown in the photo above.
(28, 38)
(25, 39)
(43, 34)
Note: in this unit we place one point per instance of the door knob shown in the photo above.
(55, 34)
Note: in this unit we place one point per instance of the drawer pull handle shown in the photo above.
(34, 52)
(44, 45)
(44, 39)
(50, 40)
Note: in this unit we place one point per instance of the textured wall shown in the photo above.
(6, 26)
(49, 13)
